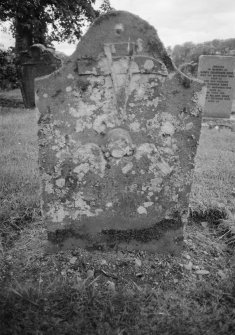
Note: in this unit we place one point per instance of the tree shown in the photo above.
(190, 52)
(106, 7)
(169, 50)
(44, 21)
(181, 53)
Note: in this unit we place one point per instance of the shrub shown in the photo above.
(8, 73)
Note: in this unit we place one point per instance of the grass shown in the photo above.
(214, 178)
(19, 183)
(99, 312)
(82, 292)
(12, 98)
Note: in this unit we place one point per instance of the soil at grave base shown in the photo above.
(165, 236)
(27, 259)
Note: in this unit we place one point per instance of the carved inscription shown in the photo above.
(217, 79)
(218, 74)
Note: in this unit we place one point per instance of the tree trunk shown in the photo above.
(23, 36)
(23, 41)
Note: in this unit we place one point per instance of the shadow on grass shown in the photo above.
(99, 311)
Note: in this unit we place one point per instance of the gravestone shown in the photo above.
(218, 74)
(119, 129)
(190, 69)
(37, 62)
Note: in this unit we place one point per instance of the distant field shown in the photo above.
(11, 98)
(213, 185)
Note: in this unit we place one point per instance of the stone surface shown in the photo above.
(37, 62)
(190, 69)
(202, 272)
(218, 74)
(118, 132)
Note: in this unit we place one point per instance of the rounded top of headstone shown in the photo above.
(121, 27)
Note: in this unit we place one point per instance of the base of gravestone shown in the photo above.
(165, 237)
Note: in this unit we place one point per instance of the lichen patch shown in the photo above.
(142, 210)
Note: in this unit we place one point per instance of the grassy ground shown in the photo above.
(81, 292)
(214, 178)
(12, 98)
(19, 184)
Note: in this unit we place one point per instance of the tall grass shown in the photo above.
(19, 183)
(214, 176)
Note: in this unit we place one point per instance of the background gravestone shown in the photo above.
(218, 74)
(190, 69)
(119, 129)
(37, 62)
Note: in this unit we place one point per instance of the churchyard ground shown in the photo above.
(101, 292)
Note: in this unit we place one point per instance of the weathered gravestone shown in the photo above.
(218, 74)
(190, 69)
(37, 62)
(119, 129)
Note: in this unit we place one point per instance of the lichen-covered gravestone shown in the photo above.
(119, 129)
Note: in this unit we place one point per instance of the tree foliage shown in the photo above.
(8, 72)
(190, 52)
(44, 21)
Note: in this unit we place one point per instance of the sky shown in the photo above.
(176, 21)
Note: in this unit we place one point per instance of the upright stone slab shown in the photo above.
(218, 74)
(37, 62)
(119, 129)
(190, 69)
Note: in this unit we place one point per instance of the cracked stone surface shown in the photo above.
(118, 132)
